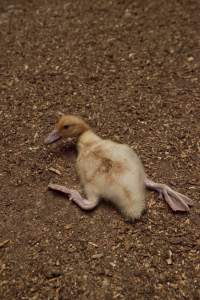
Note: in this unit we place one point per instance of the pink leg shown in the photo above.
(75, 196)
(176, 200)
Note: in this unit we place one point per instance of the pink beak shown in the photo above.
(52, 137)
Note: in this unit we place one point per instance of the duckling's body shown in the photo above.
(111, 171)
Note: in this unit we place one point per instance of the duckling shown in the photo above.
(111, 171)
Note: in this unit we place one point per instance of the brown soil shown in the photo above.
(132, 68)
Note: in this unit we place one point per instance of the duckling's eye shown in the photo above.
(66, 126)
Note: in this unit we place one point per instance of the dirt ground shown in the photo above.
(132, 68)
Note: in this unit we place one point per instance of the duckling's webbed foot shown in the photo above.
(75, 196)
(176, 200)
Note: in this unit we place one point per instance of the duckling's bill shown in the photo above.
(53, 137)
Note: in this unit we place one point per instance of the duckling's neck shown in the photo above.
(87, 139)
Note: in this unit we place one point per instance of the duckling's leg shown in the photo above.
(177, 201)
(74, 195)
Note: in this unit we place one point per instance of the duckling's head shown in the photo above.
(68, 126)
